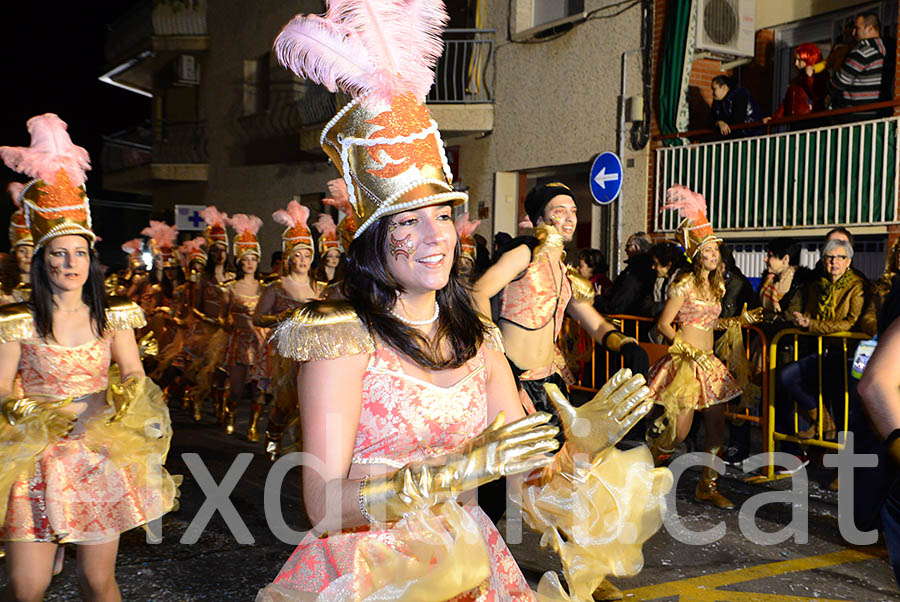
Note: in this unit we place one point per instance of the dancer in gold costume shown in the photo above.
(16, 277)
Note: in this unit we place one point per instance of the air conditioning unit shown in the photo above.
(187, 70)
(726, 27)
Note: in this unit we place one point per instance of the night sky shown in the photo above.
(53, 53)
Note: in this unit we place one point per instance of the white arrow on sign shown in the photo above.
(602, 178)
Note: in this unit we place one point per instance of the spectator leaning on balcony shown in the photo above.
(806, 92)
(732, 106)
(859, 78)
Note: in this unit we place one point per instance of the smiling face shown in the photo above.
(299, 261)
(68, 260)
(420, 246)
(23, 258)
(249, 263)
(562, 213)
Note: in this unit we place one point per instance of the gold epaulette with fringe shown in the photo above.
(323, 330)
(582, 289)
(16, 323)
(492, 338)
(123, 314)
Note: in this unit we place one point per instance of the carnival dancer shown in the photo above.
(133, 249)
(16, 284)
(245, 339)
(330, 252)
(157, 298)
(274, 375)
(83, 446)
(691, 378)
(407, 401)
(465, 229)
(207, 345)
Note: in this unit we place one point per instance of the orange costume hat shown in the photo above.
(19, 232)
(215, 233)
(466, 229)
(55, 202)
(162, 242)
(245, 241)
(192, 250)
(328, 237)
(297, 233)
(694, 231)
(383, 142)
(339, 199)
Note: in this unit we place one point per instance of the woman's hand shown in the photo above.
(724, 129)
(800, 320)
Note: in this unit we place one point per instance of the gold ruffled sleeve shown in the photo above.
(124, 314)
(582, 289)
(323, 330)
(492, 337)
(16, 323)
(681, 288)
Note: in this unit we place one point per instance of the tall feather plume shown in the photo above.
(337, 188)
(383, 48)
(688, 203)
(15, 193)
(464, 227)
(242, 222)
(189, 247)
(324, 224)
(51, 149)
(214, 217)
(133, 246)
(295, 214)
(163, 234)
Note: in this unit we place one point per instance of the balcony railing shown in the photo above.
(179, 142)
(284, 108)
(127, 149)
(136, 28)
(465, 72)
(836, 175)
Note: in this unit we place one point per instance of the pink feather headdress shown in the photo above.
(215, 232)
(54, 202)
(193, 250)
(162, 242)
(19, 232)
(341, 201)
(133, 246)
(245, 241)
(328, 238)
(694, 230)
(689, 204)
(297, 233)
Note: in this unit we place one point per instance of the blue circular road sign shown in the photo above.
(606, 178)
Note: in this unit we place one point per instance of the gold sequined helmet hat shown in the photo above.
(192, 250)
(340, 200)
(328, 237)
(297, 233)
(245, 241)
(54, 202)
(694, 231)
(215, 233)
(162, 243)
(465, 229)
(19, 232)
(383, 142)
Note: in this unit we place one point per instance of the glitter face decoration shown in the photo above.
(402, 246)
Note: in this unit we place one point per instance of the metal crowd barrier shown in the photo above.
(755, 342)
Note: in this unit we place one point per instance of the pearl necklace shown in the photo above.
(425, 322)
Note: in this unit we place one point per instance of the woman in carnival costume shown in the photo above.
(17, 266)
(330, 252)
(165, 277)
(244, 338)
(207, 345)
(274, 375)
(83, 446)
(121, 282)
(691, 378)
(407, 402)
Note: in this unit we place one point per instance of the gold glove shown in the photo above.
(217, 321)
(148, 346)
(746, 318)
(548, 238)
(498, 451)
(604, 420)
(269, 320)
(121, 396)
(613, 340)
(685, 349)
(162, 309)
(112, 284)
(17, 410)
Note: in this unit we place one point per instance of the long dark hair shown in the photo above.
(93, 294)
(210, 268)
(369, 286)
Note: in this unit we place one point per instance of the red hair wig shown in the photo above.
(808, 53)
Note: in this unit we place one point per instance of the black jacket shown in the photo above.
(630, 288)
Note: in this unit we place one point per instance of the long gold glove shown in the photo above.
(548, 238)
(498, 451)
(604, 420)
(121, 396)
(18, 410)
(746, 318)
(148, 346)
(217, 321)
(269, 320)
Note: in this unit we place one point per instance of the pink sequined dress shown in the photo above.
(402, 419)
(717, 385)
(100, 479)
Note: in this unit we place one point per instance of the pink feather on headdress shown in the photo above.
(191, 247)
(163, 234)
(525, 225)
(464, 227)
(689, 204)
(337, 188)
(245, 223)
(15, 193)
(213, 217)
(295, 214)
(51, 149)
(385, 48)
(133, 246)
(325, 224)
